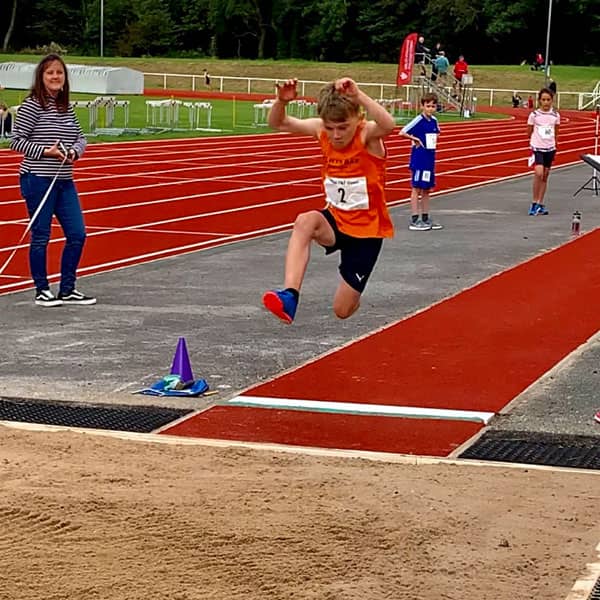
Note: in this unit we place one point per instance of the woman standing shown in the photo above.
(47, 133)
(542, 128)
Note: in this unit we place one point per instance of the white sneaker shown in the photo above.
(47, 298)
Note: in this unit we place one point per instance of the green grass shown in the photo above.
(227, 118)
(568, 78)
(239, 118)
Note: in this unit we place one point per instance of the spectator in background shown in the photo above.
(552, 87)
(442, 64)
(434, 69)
(421, 54)
(516, 100)
(538, 62)
(5, 120)
(207, 79)
(460, 68)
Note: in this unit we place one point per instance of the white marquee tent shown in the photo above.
(82, 78)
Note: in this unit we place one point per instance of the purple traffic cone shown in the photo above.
(181, 363)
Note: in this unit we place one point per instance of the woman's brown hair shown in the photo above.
(38, 89)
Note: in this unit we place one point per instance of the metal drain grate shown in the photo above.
(595, 595)
(574, 451)
(138, 419)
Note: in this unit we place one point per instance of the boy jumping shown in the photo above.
(355, 218)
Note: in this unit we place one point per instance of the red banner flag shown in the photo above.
(406, 59)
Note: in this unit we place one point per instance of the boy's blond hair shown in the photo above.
(336, 107)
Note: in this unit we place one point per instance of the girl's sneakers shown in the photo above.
(537, 209)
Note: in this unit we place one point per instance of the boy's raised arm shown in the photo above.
(384, 122)
(279, 119)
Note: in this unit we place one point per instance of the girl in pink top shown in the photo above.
(542, 128)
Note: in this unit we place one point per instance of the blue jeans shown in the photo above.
(63, 202)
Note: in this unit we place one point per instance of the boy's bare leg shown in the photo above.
(424, 202)
(415, 202)
(308, 226)
(346, 301)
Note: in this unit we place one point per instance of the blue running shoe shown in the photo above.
(533, 209)
(541, 210)
(281, 303)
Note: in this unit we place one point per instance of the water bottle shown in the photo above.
(576, 223)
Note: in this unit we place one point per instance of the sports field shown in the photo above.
(334, 485)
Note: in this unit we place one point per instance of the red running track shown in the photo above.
(148, 200)
(451, 362)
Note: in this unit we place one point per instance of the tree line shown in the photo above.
(486, 31)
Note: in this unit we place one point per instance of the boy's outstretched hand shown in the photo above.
(287, 91)
(346, 86)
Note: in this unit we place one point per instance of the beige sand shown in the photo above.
(89, 517)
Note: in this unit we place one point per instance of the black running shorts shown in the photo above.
(544, 158)
(358, 255)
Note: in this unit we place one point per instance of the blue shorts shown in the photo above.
(358, 255)
(423, 179)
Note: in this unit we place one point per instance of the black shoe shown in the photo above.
(75, 297)
(47, 298)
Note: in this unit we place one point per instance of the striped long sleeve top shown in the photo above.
(35, 129)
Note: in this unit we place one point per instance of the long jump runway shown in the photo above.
(433, 362)
(430, 382)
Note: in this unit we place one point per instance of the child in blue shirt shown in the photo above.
(423, 131)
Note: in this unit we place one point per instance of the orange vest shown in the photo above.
(356, 161)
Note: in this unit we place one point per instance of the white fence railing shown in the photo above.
(265, 86)
(592, 100)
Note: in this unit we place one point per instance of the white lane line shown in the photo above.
(133, 261)
(188, 218)
(226, 239)
(211, 234)
(411, 412)
(583, 587)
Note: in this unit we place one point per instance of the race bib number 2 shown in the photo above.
(347, 193)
